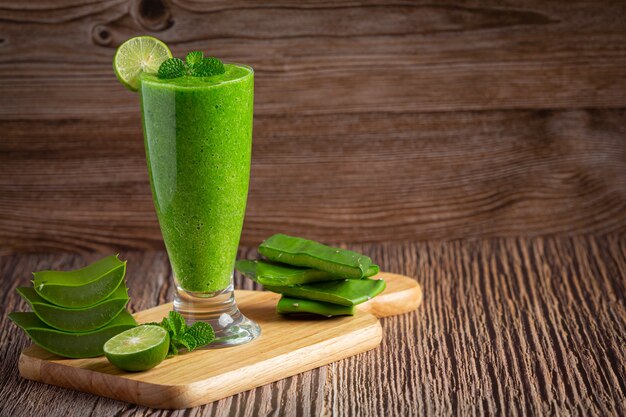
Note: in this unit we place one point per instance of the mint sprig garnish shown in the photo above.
(182, 336)
(172, 68)
(209, 66)
(193, 59)
(195, 65)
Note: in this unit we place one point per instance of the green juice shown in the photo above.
(198, 138)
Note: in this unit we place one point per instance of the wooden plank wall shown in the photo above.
(373, 121)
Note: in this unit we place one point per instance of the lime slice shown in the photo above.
(139, 348)
(137, 55)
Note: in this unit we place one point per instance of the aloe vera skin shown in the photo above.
(287, 305)
(82, 287)
(302, 252)
(348, 292)
(79, 319)
(71, 345)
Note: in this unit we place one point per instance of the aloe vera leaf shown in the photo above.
(302, 252)
(273, 273)
(247, 267)
(79, 319)
(348, 292)
(71, 345)
(372, 270)
(82, 287)
(270, 273)
(288, 305)
(282, 274)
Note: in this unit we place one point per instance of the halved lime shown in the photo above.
(137, 55)
(139, 348)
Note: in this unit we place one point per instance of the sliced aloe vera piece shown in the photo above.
(288, 305)
(302, 252)
(82, 287)
(77, 319)
(348, 292)
(372, 270)
(270, 273)
(72, 345)
(274, 273)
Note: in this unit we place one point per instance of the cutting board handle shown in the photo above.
(402, 295)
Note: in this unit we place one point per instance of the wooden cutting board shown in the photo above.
(286, 347)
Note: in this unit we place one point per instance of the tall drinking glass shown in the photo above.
(198, 138)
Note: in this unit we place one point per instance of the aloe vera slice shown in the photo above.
(348, 292)
(273, 273)
(82, 287)
(302, 252)
(79, 319)
(269, 273)
(288, 305)
(72, 345)
(372, 270)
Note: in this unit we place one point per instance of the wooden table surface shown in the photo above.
(375, 122)
(514, 326)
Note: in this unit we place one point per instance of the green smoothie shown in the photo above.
(198, 138)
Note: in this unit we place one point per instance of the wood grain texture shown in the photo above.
(325, 57)
(375, 121)
(83, 185)
(509, 326)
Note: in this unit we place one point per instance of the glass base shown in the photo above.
(220, 310)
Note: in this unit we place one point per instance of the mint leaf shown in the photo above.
(196, 65)
(208, 67)
(172, 68)
(183, 336)
(189, 342)
(165, 323)
(202, 333)
(177, 323)
(181, 343)
(173, 351)
(193, 59)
